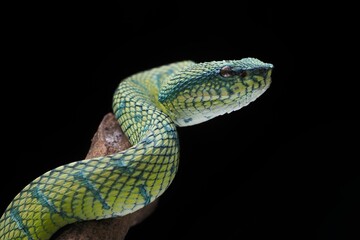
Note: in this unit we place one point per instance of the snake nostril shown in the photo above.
(243, 73)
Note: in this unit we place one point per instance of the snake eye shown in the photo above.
(226, 71)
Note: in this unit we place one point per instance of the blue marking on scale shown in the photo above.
(120, 108)
(45, 201)
(187, 120)
(123, 165)
(144, 193)
(170, 130)
(172, 169)
(90, 186)
(137, 118)
(15, 216)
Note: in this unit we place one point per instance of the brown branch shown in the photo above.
(108, 139)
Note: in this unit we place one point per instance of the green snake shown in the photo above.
(149, 106)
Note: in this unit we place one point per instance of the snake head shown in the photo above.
(205, 90)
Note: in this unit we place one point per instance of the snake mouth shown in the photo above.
(246, 91)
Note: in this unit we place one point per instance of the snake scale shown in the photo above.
(149, 106)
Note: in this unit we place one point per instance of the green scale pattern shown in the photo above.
(108, 186)
(147, 105)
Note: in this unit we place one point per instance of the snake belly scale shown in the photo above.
(149, 106)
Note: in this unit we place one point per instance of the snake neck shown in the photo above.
(136, 102)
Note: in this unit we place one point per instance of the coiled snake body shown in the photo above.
(148, 106)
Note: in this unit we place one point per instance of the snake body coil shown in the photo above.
(148, 106)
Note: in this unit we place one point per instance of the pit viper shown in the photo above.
(149, 106)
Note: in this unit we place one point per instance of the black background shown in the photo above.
(283, 167)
